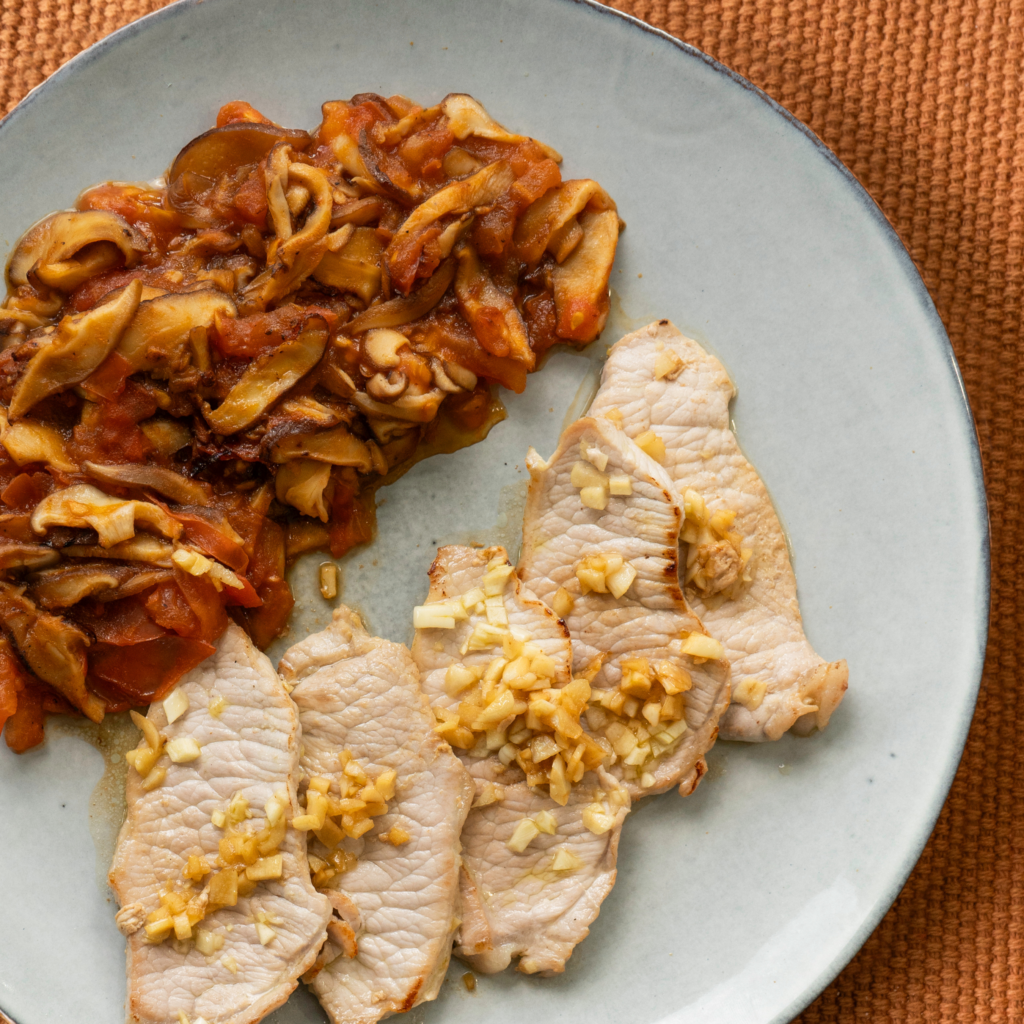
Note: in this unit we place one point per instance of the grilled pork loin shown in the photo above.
(224, 781)
(395, 886)
(738, 575)
(600, 547)
(535, 868)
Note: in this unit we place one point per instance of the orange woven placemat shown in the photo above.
(924, 101)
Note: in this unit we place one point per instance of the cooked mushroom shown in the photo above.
(52, 648)
(26, 556)
(301, 483)
(459, 197)
(78, 347)
(468, 117)
(47, 251)
(30, 441)
(155, 478)
(66, 585)
(355, 267)
(405, 308)
(269, 378)
(167, 436)
(219, 152)
(299, 254)
(382, 347)
(69, 584)
(386, 388)
(339, 446)
(551, 222)
(581, 282)
(414, 408)
(160, 333)
(441, 378)
(113, 519)
(141, 548)
(490, 311)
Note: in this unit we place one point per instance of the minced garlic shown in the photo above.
(565, 860)
(716, 560)
(750, 693)
(349, 814)
(650, 443)
(606, 573)
(643, 717)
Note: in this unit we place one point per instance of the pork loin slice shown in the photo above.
(514, 903)
(779, 681)
(249, 746)
(651, 620)
(397, 909)
(518, 904)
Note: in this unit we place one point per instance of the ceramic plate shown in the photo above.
(740, 903)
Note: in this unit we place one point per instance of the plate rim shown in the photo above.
(980, 607)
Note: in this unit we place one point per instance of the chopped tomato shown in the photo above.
(268, 554)
(143, 208)
(167, 607)
(26, 490)
(121, 623)
(239, 110)
(251, 198)
(353, 517)
(263, 624)
(145, 671)
(13, 679)
(248, 336)
(211, 541)
(109, 379)
(24, 729)
(246, 596)
(204, 600)
(112, 434)
(341, 118)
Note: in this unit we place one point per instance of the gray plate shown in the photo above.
(740, 903)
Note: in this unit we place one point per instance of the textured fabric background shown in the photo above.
(924, 100)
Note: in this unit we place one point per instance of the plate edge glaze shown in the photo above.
(982, 602)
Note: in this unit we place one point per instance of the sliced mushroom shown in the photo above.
(355, 267)
(551, 222)
(339, 447)
(113, 519)
(78, 347)
(67, 585)
(219, 152)
(441, 378)
(30, 441)
(26, 556)
(414, 408)
(468, 117)
(301, 484)
(382, 347)
(466, 379)
(269, 378)
(47, 251)
(490, 311)
(155, 478)
(387, 388)
(166, 435)
(300, 253)
(160, 334)
(141, 548)
(581, 282)
(459, 197)
(52, 648)
(405, 308)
